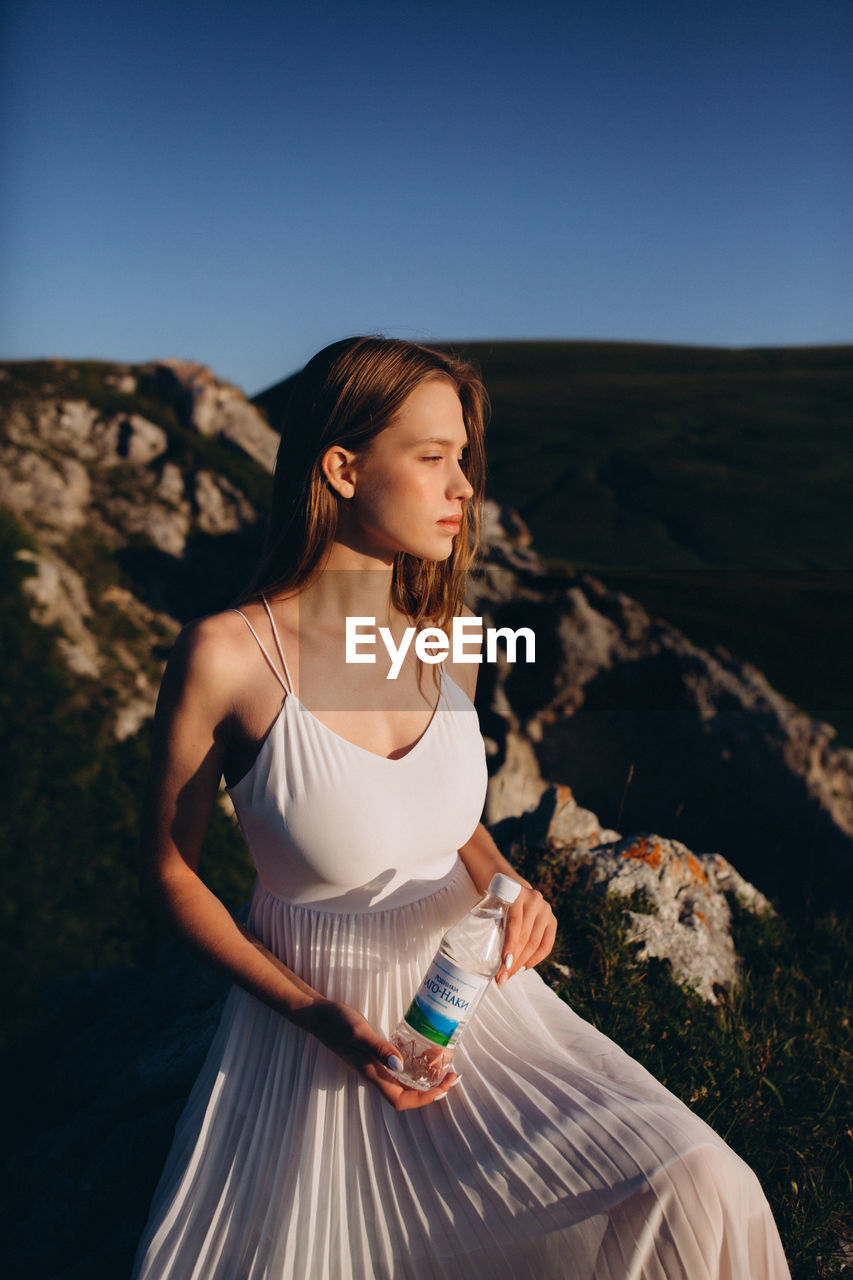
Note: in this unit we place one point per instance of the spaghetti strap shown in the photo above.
(278, 643)
(284, 684)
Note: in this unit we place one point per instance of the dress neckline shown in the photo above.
(366, 750)
(314, 719)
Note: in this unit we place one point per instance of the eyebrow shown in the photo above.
(438, 440)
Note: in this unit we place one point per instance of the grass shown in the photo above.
(771, 1070)
(674, 458)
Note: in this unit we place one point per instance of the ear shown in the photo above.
(339, 469)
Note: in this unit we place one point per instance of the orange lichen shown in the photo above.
(645, 850)
(694, 866)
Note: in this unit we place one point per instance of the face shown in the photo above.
(408, 488)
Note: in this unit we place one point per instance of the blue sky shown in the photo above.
(240, 185)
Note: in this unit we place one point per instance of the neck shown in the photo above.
(351, 584)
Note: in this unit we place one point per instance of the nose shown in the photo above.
(460, 486)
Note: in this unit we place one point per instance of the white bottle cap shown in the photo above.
(504, 887)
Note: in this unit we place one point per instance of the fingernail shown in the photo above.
(394, 1061)
(508, 962)
(523, 968)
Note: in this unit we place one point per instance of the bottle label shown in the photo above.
(443, 1001)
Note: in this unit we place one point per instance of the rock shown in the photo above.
(220, 506)
(214, 408)
(686, 919)
(138, 613)
(53, 492)
(517, 782)
(163, 524)
(171, 487)
(59, 598)
(126, 383)
(503, 526)
(69, 424)
(67, 470)
(557, 820)
(133, 715)
(132, 439)
(76, 428)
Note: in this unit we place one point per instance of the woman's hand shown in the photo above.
(348, 1034)
(531, 927)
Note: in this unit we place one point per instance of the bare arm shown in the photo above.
(195, 711)
(190, 735)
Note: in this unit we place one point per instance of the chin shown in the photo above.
(431, 556)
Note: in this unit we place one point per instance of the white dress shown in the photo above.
(557, 1157)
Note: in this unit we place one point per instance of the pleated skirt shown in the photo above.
(556, 1156)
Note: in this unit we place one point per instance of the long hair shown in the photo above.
(346, 395)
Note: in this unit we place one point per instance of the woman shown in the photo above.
(299, 1153)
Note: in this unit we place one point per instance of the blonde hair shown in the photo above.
(346, 395)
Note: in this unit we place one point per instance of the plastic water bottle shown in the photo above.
(467, 959)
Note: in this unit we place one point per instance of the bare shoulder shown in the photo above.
(208, 645)
(465, 673)
(209, 660)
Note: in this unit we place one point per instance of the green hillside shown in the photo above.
(659, 458)
(715, 486)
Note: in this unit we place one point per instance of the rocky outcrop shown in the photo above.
(59, 598)
(115, 507)
(653, 732)
(679, 911)
(213, 407)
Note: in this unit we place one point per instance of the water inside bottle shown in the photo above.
(474, 946)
